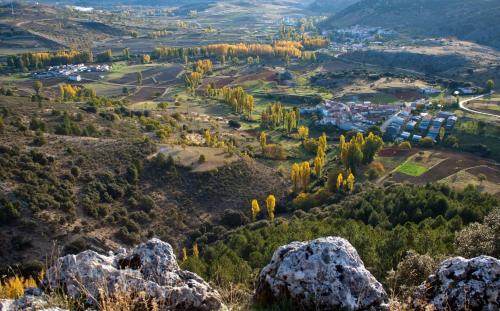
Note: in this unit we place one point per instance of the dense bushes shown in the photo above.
(431, 216)
(249, 250)
(399, 204)
(39, 186)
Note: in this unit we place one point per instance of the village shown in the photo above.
(70, 72)
(409, 121)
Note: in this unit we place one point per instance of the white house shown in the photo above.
(75, 78)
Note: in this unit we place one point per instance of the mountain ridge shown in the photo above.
(464, 19)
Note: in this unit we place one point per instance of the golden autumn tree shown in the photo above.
(184, 254)
(196, 251)
(340, 181)
(318, 166)
(263, 140)
(208, 137)
(255, 209)
(323, 141)
(305, 174)
(372, 144)
(271, 204)
(350, 182)
(192, 80)
(303, 132)
(295, 176)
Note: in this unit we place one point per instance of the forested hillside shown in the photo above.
(474, 20)
(383, 224)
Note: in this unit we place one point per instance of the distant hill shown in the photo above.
(473, 20)
(329, 7)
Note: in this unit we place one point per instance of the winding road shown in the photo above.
(463, 107)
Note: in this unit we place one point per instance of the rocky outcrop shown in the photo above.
(461, 284)
(32, 300)
(150, 268)
(324, 274)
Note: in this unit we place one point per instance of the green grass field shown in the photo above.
(412, 169)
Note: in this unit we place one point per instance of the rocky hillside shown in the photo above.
(472, 20)
(323, 274)
(75, 177)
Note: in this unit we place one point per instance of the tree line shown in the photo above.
(276, 115)
(38, 60)
(237, 98)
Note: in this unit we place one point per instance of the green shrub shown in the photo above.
(202, 159)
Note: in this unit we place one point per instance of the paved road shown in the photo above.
(463, 107)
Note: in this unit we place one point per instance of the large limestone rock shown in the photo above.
(150, 268)
(461, 284)
(28, 302)
(324, 274)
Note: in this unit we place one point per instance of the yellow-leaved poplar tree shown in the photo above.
(350, 182)
(303, 132)
(295, 176)
(196, 251)
(208, 137)
(271, 204)
(340, 180)
(305, 174)
(263, 140)
(318, 166)
(255, 209)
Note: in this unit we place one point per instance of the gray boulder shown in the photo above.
(461, 284)
(150, 268)
(324, 274)
(28, 303)
(6, 304)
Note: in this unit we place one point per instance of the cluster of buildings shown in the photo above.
(358, 38)
(71, 72)
(364, 33)
(402, 121)
(406, 126)
(357, 116)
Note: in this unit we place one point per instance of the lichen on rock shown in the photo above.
(324, 274)
(461, 284)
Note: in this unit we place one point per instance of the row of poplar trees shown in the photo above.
(276, 116)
